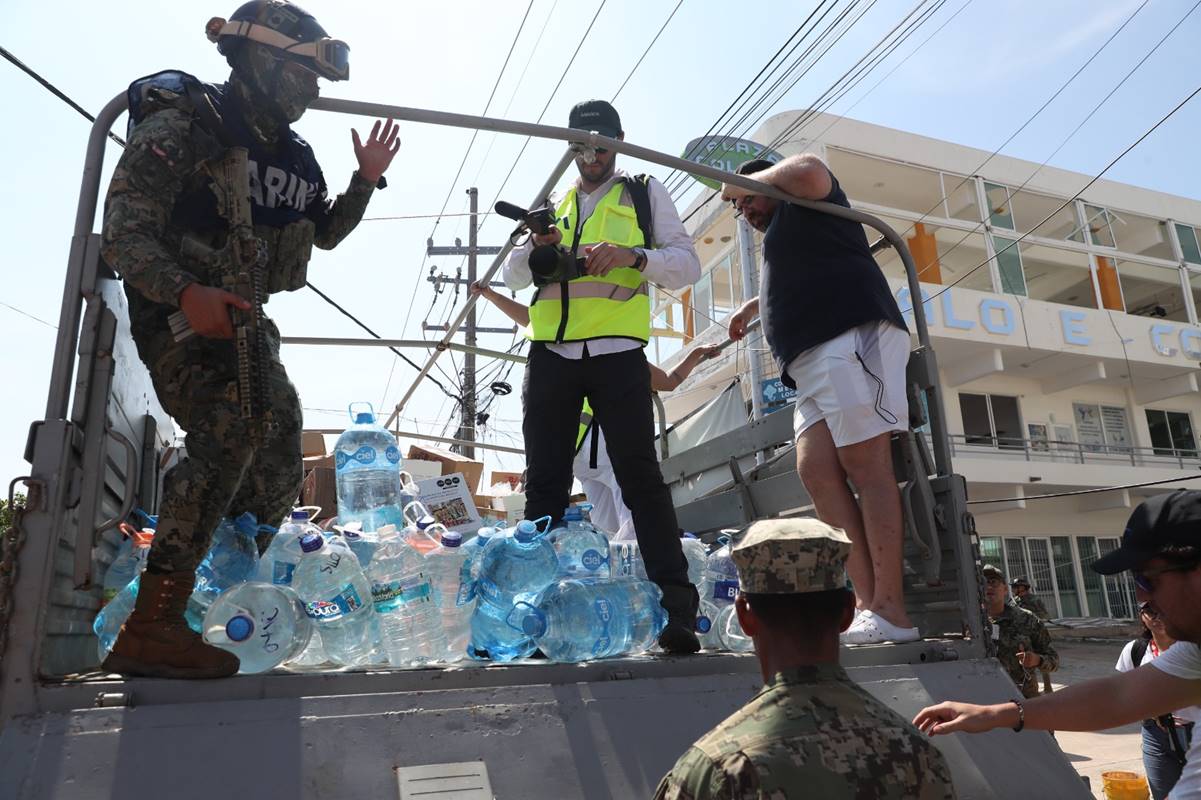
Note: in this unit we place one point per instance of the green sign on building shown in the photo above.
(725, 153)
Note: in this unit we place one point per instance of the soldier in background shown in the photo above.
(1027, 599)
(1023, 644)
(166, 234)
(811, 731)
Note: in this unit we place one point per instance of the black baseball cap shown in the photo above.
(1158, 523)
(595, 115)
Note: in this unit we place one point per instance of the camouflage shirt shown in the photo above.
(142, 243)
(1016, 630)
(810, 732)
(1035, 606)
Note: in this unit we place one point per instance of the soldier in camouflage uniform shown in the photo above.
(165, 236)
(1025, 598)
(1023, 644)
(811, 731)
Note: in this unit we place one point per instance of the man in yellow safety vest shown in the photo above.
(589, 320)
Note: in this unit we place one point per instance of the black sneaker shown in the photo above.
(681, 603)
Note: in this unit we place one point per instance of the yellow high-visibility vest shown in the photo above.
(617, 304)
(585, 423)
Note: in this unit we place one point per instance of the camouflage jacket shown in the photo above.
(810, 732)
(1018, 630)
(142, 231)
(1035, 606)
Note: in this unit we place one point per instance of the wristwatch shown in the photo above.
(639, 258)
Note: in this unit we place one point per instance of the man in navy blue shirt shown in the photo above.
(838, 337)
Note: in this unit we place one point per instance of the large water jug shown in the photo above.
(697, 555)
(279, 560)
(402, 589)
(264, 625)
(513, 569)
(367, 466)
(625, 561)
(446, 563)
(129, 561)
(409, 491)
(311, 656)
(720, 582)
(470, 572)
(108, 622)
(729, 630)
(233, 558)
(583, 551)
(578, 620)
(421, 530)
(706, 624)
(337, 597)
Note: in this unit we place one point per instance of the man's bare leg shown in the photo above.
(869, 466)
(824, 478)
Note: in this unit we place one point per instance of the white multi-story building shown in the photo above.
(1068, 361)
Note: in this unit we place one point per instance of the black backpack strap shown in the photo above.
(1138, 651)
(206, 113)
(640, 195)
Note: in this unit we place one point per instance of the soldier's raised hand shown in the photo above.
(206, 308)
(376, 155)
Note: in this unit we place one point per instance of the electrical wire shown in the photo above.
(638, 63)
(1122, 487)
(27, 314)
(19, 64)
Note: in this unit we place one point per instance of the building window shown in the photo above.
(1065, 576)
(1009, 265)
(990, 550)
(1188, 243)
(991, 420)
(1101, 429)
(1171, 433)
(1000, 213)
(702, 304)
(1097, 222)
(1094, 590)
(1119, 589)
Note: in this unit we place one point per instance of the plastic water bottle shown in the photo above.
(409, 491)
(729, 630)
(625, 561)
(583, 551)
(362, 543)
(447, 563)
(367, 466)
(108, 622)
(514, 569)
(337, 597)
(470, 572)
(421, 530)
(706, 624)
(402, 589)
(697, 555)
(233, 558)
(311, 656)
(128, 564)
(264, 625)
(720, 582)
(578, 620)
(279, 561)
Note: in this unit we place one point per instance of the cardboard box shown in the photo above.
(449, 501)
(319, 489)
(312, 444)
(470, 470)
(513, 479)
(312, 462)
(420, 470)
(514, 508)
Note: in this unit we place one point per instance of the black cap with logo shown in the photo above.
(595, 115)
(1160, 522)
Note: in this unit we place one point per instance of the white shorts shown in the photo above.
(855, 382)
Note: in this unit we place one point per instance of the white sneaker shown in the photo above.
(871, 628)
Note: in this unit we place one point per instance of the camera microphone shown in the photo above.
(509, 210)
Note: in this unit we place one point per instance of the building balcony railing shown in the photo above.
(1042, 450)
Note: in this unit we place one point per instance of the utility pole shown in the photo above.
(472, 251)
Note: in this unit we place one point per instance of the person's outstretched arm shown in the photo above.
(667, 381)
(518, 312)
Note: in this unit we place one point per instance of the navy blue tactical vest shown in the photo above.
(286, 184)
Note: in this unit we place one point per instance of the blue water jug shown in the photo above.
(582, 550)
(578, 620)
(367, 473)
(263, 624)
(233, 558)
(513, 569)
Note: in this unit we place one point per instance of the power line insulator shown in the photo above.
(501, 388)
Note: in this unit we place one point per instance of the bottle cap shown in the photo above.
(485, 532)
(311, 542)
(688, 535)
(534, 624)
(703, 624)
(526, 531)
(452, 539)
(239, 628)
(364, 418)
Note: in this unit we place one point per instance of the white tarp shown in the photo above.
(722, 414)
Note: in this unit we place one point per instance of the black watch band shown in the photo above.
(639, 258)
(1021, 716)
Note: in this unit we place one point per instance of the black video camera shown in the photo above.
(548, 263)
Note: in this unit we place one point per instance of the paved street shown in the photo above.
(1094, 753)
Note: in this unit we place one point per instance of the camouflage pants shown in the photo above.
(224, 473)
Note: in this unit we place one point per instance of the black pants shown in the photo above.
(618, 386)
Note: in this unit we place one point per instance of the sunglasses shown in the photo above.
(1149, 611)
(1145, 579)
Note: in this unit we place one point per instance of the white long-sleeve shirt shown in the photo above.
(672, 264)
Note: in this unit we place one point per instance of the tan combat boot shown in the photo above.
(156, 642)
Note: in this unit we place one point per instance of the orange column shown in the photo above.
(924, 249)
(1111, 287)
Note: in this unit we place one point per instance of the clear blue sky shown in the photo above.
(973, 83)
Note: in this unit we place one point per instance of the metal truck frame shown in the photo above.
(604, 729)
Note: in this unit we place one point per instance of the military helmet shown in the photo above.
(286, 28)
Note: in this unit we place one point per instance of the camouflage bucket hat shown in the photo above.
(791, 556)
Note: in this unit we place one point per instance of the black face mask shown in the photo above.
(281, 92)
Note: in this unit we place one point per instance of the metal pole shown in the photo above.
(750, 287)
(467, 427)
(543, 193)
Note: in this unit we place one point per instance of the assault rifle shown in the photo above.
(241, 263)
